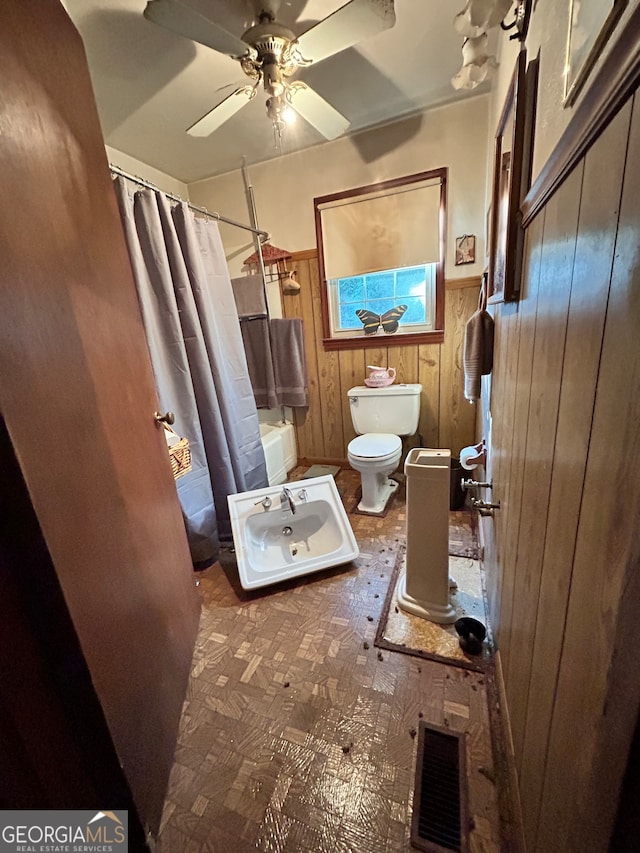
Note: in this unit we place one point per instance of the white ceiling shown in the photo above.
(150, 85)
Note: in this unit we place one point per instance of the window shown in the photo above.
(381, 259)
(405, 295)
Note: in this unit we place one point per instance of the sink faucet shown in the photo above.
(287, 498)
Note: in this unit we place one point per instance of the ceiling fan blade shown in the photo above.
(222, 112)
(350, 24)
(184, 20)
(318, 112)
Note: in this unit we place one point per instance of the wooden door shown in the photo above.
(77, 395)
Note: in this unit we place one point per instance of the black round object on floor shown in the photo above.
(471, 633)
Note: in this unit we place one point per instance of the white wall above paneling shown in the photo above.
(454, 136)
(142, 170)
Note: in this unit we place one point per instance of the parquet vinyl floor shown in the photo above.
(297, 734)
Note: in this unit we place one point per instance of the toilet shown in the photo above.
(380, 416)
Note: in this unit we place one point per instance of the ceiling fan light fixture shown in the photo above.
(268, 36)
(289, 115)
(275, 110)
(275, 106)
(270, 52)
(272, 78)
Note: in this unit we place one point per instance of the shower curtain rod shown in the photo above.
(264, 235)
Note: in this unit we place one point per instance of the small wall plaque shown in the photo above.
(465, 249)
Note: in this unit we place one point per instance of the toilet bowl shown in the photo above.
(375, 456)
(380, 416)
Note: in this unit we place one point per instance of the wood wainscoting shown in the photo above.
(324, 430)
(562, 554)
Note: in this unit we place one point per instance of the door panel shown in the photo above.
(77, 394)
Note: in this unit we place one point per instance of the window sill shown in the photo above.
(370, 341)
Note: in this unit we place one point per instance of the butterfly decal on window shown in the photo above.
(389, 320)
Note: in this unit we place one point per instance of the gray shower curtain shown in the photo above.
(197, 356)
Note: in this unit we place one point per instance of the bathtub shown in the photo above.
(279, 445)
(273, 544)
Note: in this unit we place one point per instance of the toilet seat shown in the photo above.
(374, 445)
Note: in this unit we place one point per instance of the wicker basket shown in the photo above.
(179, 454)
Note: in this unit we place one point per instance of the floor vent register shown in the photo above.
(439, 805)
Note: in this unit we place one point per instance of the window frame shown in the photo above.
(361, 341)
(335, 304)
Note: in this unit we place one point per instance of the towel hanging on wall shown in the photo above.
(249, 295)
(248, 292)
(257, 347)
(478, 346)
(289, 361)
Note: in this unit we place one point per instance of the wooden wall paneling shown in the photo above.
(597, 228)
(308, 421)
(292, 302)
(333, 446)
(456, 423)
(509, 490)
(472, 281)
(429, 378)
(352, 372)
(324, 430)
(598, 693)
(405, 361)
(378, 356)
(556, 266)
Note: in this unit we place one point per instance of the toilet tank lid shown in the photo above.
(407, 390)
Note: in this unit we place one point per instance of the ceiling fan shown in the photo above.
(271, 53)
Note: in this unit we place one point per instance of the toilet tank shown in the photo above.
(394, 409)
